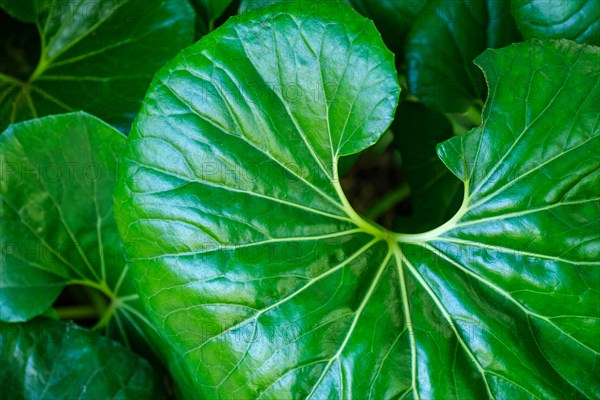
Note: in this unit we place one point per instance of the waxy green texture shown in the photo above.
(45, 359)
(96, 55)
(57, 221)
(392, 18)
(577, 20)
(261, 277)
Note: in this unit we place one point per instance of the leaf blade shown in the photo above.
(348, 304)
(57, 359)
(96, 56)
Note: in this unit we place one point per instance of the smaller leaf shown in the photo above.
(57, 177)
(57, 223)
(442, 45)
(58, 229)
(51, 360)
(96, 55)
(577, 20)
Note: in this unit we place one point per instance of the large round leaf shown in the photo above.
(97, 55)
(267, 284)
(44, 359)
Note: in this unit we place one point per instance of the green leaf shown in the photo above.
(97, 56)
(524, 249)
(57, 176)
(255, 5)
(455, 31)
(44, 359)
(265, 282)
(56, 182)
(436, 193)
(577, 20)
(293, 120)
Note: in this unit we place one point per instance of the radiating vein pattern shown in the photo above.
(57, 175)
(528, 231)
(265, 282)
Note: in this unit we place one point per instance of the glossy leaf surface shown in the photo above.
(455, 31)
(97, 56)
(267, 284)
(56, 217)
(391, 17)
(516, 273)
(577, 20)
(44, 359)
(255, 5)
